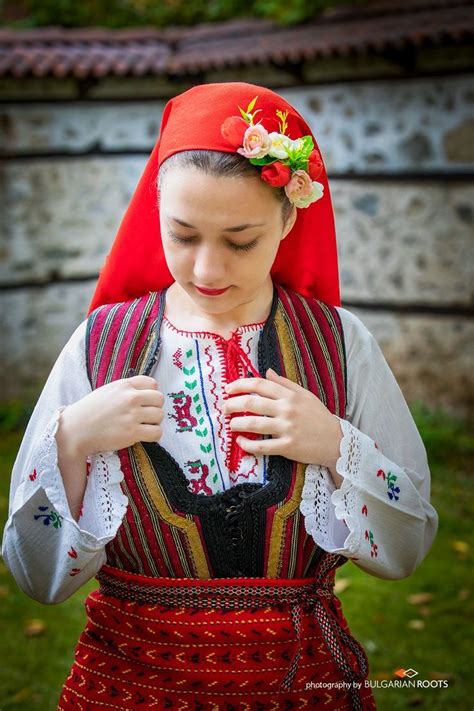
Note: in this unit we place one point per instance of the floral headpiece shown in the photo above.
(294, 164)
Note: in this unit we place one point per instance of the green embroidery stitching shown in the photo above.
(203, 432)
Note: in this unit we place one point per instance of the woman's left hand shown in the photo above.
(302, 428)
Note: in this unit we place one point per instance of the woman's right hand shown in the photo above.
(114, 416)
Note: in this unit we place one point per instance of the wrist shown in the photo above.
(68, 439)
(335, 451)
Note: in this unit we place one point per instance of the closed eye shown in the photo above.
(232, 245)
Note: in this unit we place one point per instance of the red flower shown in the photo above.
(72, 552)
(276, 174)
(381, 473)
(315, 165)
(33, 475)
(233, 130)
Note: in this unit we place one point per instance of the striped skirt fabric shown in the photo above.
(252, 644)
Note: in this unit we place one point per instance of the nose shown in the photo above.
(209, 267)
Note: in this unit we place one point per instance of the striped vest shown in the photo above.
(251, 529)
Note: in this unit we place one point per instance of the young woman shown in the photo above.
(219, 435)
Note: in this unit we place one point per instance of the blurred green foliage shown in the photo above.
(24, 14)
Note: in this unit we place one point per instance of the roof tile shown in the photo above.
(98, 52)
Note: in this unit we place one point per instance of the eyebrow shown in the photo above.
(235, 228)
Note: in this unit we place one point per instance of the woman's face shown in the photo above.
(220, 232)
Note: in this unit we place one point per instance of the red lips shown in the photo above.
(211, 292)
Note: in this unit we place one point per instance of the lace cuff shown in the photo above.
(316, 505)
(104, 504)
(334, 516)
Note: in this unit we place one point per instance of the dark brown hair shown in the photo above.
(219, 163)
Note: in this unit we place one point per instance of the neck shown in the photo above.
(256, 308)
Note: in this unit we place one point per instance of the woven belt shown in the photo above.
(249, 594)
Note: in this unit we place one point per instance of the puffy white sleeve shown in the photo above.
(48, 552)
(380, 517)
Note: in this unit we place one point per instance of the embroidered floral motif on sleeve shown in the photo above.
(390, 479)
(73, 554)
(369, 536)
(48, 516)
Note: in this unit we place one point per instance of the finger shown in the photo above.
(260, 446)
(142, 382)
(281, 380)
(152, 398)
(252, 403)
(261, 425)
(261, 386)
(149, 433)
(151, 415)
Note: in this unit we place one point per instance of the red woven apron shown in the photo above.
(228, 643)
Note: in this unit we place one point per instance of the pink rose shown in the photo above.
(276, 174)
(256, 142)
(233, 130)
(301, 190)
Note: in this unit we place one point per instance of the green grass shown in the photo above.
(33, 669)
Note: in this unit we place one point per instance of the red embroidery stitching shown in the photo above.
(185, 420)
(199, 484)
(211, 334)
(33, 475)
(177, 355)
(72, 552)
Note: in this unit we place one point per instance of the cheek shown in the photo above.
(175, 255)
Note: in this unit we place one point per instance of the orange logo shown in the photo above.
(402, 673)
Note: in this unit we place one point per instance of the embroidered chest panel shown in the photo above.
(198, 505)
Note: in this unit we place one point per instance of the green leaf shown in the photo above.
(252, 104)
(266, 160)
(245, 116)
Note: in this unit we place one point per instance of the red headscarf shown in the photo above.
(306, 260)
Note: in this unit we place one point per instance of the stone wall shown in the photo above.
(399, 155)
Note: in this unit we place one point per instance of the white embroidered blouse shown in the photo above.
(381, 517)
